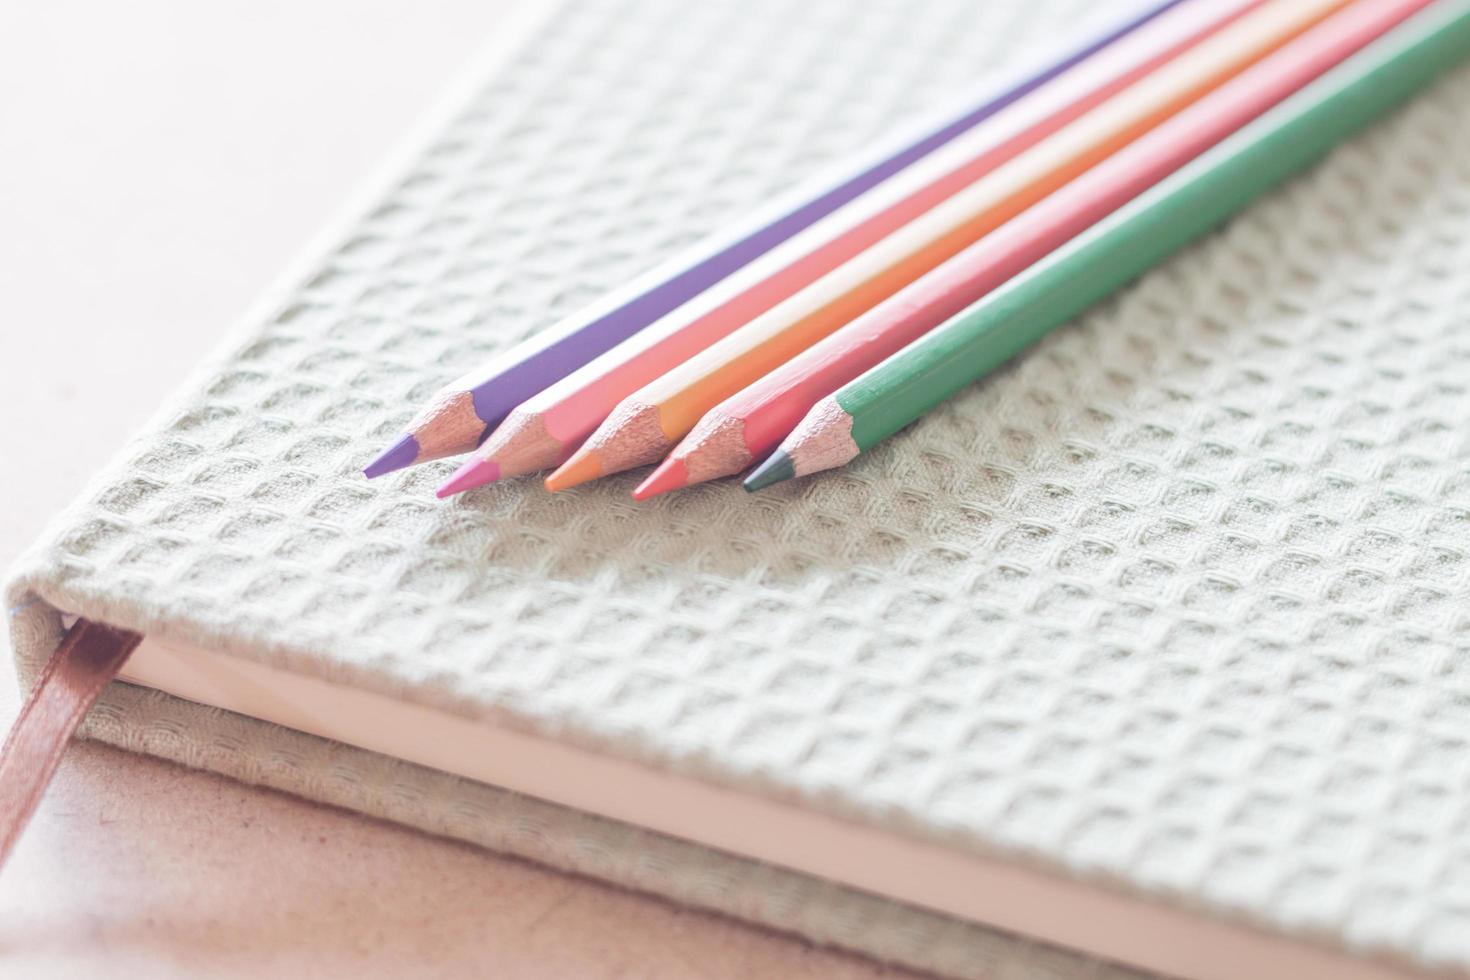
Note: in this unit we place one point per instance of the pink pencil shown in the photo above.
(542, 431)
(750, 424)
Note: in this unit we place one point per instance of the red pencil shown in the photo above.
(750, 424)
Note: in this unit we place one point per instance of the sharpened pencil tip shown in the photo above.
(671, 474)
(583, 466)
(397, 456)
(776, 468)
(475, 473)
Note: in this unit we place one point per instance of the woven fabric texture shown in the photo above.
(1177, 603)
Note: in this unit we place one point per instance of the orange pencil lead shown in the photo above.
(582, 467)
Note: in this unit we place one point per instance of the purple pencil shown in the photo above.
(464, 412)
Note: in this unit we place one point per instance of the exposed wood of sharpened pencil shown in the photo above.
(679, 398)
(460, 414)
(1281, 144)
(539, 433)
(750, 424)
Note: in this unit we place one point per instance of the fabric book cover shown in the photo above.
(1152, 646)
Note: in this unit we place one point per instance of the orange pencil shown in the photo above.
(540, 432)
(649, 422)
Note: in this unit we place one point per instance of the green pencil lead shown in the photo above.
(777, 468)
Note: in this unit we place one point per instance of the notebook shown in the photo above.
(1145, 655)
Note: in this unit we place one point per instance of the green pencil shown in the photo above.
(1196, 199)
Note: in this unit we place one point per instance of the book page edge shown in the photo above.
(1007, 896)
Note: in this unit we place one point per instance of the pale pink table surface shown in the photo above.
(160, 161)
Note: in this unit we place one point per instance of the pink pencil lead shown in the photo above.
(475, 473)
(670, 475)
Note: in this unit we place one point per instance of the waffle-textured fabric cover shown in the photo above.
(1179, 603)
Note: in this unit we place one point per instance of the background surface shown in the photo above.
(160, 163)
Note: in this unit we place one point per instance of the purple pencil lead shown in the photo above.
(397, 456)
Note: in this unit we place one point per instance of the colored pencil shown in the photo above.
(462, 412)
(750, 424)
(1184, 207)
(541, 431)
(648, 423)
